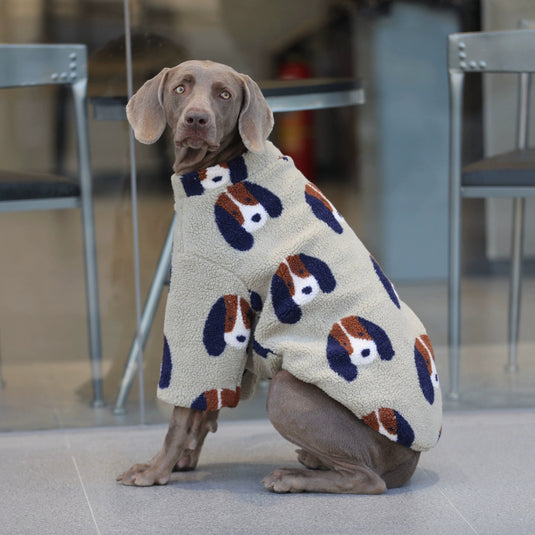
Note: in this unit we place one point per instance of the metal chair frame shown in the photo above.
(36, 65)
(511, 51)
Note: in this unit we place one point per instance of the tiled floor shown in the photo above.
(478, 480)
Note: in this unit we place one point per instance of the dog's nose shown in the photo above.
(197, 118)
(241, 338)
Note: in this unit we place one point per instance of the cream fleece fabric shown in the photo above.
(266, 275)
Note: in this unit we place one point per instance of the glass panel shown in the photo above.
(383, 165)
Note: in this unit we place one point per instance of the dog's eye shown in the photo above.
(225, 95)
(180, 89)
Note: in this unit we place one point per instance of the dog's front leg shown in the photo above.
(180, 451)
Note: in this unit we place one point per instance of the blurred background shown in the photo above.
(384, 165)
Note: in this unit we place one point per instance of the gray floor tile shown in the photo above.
(40, 489)
(479, 479)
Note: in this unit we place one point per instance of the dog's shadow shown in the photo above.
(245, 479)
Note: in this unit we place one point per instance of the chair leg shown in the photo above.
(1, 378)
(456, 81)
(93, 310)
(454, 302)
(146, 320)
(516, 281)
(90, 249)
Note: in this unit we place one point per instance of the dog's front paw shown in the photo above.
(143, 475)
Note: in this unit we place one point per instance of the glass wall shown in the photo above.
(43, 334)
(355, 154)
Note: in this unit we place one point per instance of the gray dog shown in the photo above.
(269, 281)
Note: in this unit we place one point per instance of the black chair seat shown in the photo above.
(511, 169)
(16, 186)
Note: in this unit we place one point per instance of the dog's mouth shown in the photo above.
(196, 143)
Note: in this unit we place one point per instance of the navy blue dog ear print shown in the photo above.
(256, 301)
(388, 286)
(242, 210)
(167, 366)
(391, 424)
(424, 360)
(322, 208)
(286, 309)
(320, 271)
(353, 342)
(229, 221)
(297, 281)
(228, 323)
(266, 198)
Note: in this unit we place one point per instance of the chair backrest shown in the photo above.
(28, 65)
(501, 51)
(52, 64)
(506, 51)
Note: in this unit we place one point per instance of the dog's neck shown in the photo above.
(188, 160)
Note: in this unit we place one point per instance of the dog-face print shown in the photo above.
(353, 342)
(217, 398)
(392, 425)
(424, 359)
(385, 281)
(323, 209)
(242, 210)
(228, 323)
(214, 177)
(197, 182)
(298, 281)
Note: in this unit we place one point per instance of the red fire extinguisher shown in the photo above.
(295, 128)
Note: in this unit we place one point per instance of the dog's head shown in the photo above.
(208, 106)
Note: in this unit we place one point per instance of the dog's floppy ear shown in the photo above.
(145, 111)
(256, 119)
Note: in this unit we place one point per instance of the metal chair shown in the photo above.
(33, 65)
(505, 175)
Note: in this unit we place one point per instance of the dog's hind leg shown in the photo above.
(362, 480)
(356, 459)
